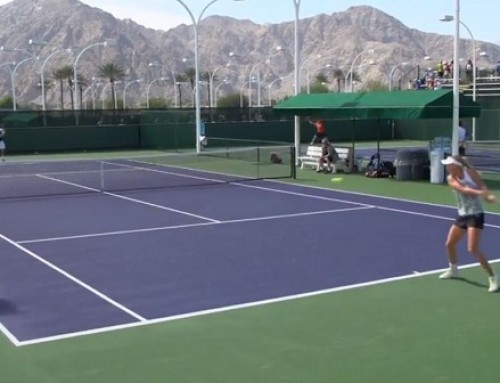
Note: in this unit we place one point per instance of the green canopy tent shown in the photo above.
(379, 105)
(398, 105)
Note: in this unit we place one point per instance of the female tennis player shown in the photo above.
(469, 189)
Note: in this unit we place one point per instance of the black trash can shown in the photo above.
(412, 164)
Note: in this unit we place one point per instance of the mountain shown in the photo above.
(338, 37)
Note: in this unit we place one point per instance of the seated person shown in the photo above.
(328, 156)
(320, 131)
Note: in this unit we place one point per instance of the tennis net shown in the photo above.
(484, 155)
(172, 170)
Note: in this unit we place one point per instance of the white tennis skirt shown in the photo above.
(2, 145)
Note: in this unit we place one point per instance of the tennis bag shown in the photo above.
(385, 169)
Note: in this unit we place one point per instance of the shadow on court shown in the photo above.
(7, 307)
(471, 282)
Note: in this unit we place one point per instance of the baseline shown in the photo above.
(413, 275)
(72, 278)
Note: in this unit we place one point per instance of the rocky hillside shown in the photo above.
(338, 38)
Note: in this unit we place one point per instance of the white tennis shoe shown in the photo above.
(493, 284)
(449, 274)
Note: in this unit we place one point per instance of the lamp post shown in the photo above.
(306, 61)
(250, 77)
(393, 70)
(13, 79)
(174, 83)
(196, 66)
(350, 73)
(212, 79)
(216, 90)
(149, 87)
(370, 51)
(75, 76)
(124, 100)
(270, 88)
(449, 18)
(42, 74)
(296, 4)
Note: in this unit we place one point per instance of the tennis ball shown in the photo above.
(336, 179)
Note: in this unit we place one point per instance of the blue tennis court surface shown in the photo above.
(80, 264)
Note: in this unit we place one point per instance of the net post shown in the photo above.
(101, 174)
(293, 163)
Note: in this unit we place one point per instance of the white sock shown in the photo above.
(453, 267)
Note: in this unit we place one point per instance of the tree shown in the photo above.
(113, 72)
(206, 77)
(374, 85)
(61, 75)
(190, 75)
(6, 102)
(319, 87)
(179, 79)
(339, 77)
(321, 78)
(232, 101)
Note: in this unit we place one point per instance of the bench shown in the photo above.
(343, 163)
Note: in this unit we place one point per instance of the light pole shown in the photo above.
(449, 18)
(13, 79)
(350, 73)
(174, 83)
(306, 61)
(393, 70)
(75, 76)
(42, 74)
(212, 79)
(250, 77)
(196, 66)
(103, 101)
(149, 87)
(270, 88)
(296, 4)
(370, 51)
(124, 100)
(216, 90)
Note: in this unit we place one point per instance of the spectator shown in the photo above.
(469, 68)
(440, 69)
(462, 139)
(320, 131)
(2, 143)
(328, 156)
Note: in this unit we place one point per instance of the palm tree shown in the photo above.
(82, 82)
(179, 79)
(321, 78)
(60, 75)
(190, 74)
(113, 72)
(207, 77)
(339, 77)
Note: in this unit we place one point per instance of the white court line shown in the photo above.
(101, 330)
(191, 225)
(72, 278)
(162, 207)
(9, 335)
(298, 185)
(427, 215)
(164, 171)
(330, 199)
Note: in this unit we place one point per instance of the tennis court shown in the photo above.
(204, 267)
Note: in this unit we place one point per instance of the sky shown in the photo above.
(481, 16)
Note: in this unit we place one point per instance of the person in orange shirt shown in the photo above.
(320, 131)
